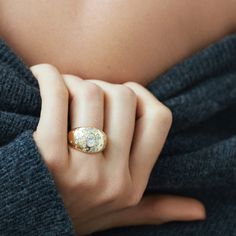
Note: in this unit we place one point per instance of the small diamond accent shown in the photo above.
(89, 139)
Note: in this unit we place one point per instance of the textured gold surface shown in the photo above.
(87, 139)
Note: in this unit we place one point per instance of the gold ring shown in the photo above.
(87, 139)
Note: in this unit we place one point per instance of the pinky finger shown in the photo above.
(154, 210)
(159, 209)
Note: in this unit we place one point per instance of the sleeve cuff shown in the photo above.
(29, 201)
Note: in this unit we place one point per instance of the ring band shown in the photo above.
(87, 139)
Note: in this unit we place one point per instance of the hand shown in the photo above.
(105, 190)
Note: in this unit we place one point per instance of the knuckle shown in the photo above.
(166, 115)
(163, 113)
(47, 66)
(40, 69)
(44, 67)
(131, 84)
(91, 90)
(37, 66)
(51, 76)
(125, 91)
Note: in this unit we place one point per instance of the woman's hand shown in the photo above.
(105, 190)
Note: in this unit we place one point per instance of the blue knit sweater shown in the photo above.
(199, 158)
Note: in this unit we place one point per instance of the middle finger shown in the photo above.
(120, 111)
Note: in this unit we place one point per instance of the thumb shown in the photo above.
(158, 209)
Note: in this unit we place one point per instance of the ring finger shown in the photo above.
(86, 110)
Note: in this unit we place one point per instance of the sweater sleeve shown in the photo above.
(29, 201)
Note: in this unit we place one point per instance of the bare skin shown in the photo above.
(105, 190)
(116, 41)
